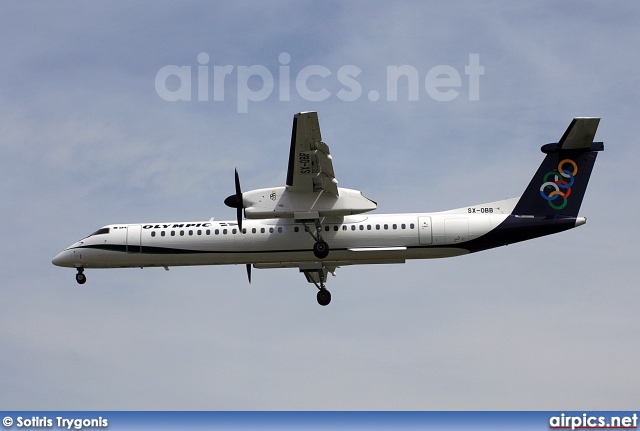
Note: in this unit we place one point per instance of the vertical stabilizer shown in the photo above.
(559, 185)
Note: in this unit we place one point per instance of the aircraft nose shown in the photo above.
(63, 258)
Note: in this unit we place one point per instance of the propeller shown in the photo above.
(235, 201)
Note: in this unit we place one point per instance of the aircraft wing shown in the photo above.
(310, 166)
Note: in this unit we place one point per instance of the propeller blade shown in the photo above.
(249, 272)
(238, 191)
(235, 201)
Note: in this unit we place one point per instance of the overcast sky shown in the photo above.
(88, 138)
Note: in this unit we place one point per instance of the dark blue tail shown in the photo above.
(559, 185)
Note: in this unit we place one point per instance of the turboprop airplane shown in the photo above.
(315, 226)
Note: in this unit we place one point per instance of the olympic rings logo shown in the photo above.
(560, 185)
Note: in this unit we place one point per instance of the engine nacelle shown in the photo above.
(278, 202)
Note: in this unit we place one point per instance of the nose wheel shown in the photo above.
(80, 277)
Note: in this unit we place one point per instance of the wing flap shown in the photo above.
(311, 270)
(332, 265)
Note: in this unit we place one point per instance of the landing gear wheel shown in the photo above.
(324, 297)
(321, 249)
(81, 278)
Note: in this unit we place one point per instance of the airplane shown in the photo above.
(315, 226)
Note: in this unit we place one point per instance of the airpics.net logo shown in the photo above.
(313, 83)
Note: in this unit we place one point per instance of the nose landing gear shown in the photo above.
(80, 277)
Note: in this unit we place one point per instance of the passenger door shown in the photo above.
(424, 230)
(134, 233)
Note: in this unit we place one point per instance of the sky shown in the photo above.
(133, 112)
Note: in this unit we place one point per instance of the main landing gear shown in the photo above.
(324, 296)
(320, 248)
(317, 274)
(80, 277)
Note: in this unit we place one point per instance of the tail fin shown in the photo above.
(559, 185)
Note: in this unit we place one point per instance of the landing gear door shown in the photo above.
(424, 230)
(134, 232)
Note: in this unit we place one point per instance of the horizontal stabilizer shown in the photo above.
(579, 134)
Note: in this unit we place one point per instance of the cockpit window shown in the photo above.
(102, 231)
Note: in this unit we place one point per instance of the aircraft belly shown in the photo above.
(110, 259)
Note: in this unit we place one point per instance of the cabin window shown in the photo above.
(326, 228)
(335, 228)
(262, 230)
(253, 230)
(296, 229)
(368, 227)
(353, 227)
(199, 232)
(153, 234)
(224, 231)
(377, 227)
(190, 233)
(344, 227)
(395, 226)
(270, 230)
(162, 233)
(217, 231)
(361, 227)
(412, 226)
(403, 226)
(386, 227)
(234, 231)
(181, 233)
(208, 231)
(173, 233)
(244, 230)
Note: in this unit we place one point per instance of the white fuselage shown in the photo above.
(372, 238)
